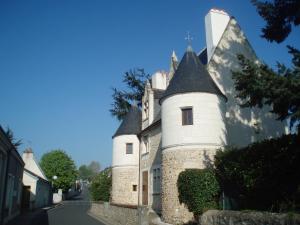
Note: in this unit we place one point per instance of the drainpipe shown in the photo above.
(139, 185)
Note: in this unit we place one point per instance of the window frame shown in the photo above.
(127, 152)
(156, 180)
(185, 120)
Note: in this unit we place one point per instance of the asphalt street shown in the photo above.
(73, 212)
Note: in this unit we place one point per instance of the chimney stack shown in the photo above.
(216, 22)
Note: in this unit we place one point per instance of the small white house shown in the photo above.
(37, 189)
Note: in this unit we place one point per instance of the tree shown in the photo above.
(88, 172)
(258, 84)
(280, 15)
(84, 173)
(58, 163)
(9, 133)
(101, 186)
(135, 81)
(94, 167)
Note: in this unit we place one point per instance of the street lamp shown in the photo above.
(53, 178)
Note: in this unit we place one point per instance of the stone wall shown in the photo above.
(150, 161)
(174, 162)
(216, 217)
(123, 179)
(114, 215)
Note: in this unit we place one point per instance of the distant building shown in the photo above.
(187, 115)
(37, 189)
(11, 174)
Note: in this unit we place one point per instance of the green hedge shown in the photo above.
(262, 176)
(101, 186)
(198, 189)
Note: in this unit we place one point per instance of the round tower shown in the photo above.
(193, 129)
(125, 160)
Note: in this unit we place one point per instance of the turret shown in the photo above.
(193, 128)
(125, 160)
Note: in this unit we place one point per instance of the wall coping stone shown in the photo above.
(228, 217)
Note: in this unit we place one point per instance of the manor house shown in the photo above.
(187, 114)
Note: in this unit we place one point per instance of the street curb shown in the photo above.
(99, 218)
(54, 207)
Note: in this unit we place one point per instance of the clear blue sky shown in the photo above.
(60, 58)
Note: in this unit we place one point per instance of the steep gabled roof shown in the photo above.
(131, 124)
(203, 56)
(191, 76)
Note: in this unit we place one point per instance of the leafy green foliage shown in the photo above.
(257, 84)
(88, 172)
(280, 15)
(58, 163)
(101, 186)
(262, 176)
(198, 189)
(135, 81)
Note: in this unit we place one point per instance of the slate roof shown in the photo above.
(191, 76)
(203, 56)
(131, 124)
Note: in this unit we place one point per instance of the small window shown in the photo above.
(129, 148)
(187, 116)
(134, 187)
(156, 180)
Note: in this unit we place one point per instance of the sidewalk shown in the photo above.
(36, 217)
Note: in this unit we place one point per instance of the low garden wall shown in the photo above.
(113, 214)
(216, 217)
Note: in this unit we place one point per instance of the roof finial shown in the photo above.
(189, 39)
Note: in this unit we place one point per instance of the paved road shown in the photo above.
(72, 212)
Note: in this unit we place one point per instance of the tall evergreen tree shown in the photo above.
(280, 16)
(135, 81)
(258, 84)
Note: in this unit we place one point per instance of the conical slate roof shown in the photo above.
(131, 124)
(191, 76)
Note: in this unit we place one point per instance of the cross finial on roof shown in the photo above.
(189, 38)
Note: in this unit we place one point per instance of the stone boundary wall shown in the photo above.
(226, 217)
(114, 215)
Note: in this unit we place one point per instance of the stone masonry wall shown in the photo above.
(123, 180)
(216, 217)
(114, 215)
(173, 162)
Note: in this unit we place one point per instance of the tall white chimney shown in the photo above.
(215, 24)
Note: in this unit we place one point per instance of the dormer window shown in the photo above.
(129, 148)
(187, 116)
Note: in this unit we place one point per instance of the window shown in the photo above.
(156, 180)
(129, 148)
(187, 116)
(145, 145)
(134, 187)
(146, 108)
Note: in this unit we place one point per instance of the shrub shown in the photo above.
(262, 176)
(101, 186)
(198, 190)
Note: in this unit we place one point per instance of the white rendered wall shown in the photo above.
(208, 129)
(159, 80)
(32, 165)
(215, 23)
(29, 180)
(120, 158)
(244, 125)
